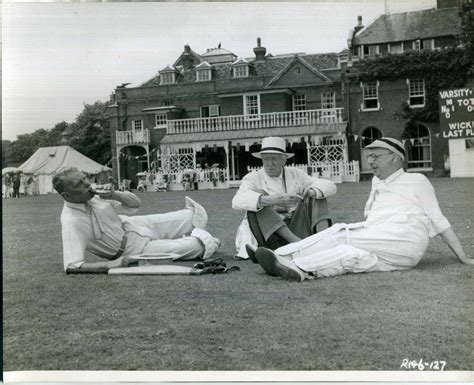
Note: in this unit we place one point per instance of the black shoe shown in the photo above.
(278, 266)
(251, 252)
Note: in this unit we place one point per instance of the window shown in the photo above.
(416, 92)
(370, 96)
(427, 44)
(137, 125)
(418, 147)
(160, 120)
(368, 136)
(167, 78)
(395, 48)
(297, 70)
(252, 105)
(368, 50)
(203, 75)
(210, 111)
(241, 71)
(299, 102)
(328, 100)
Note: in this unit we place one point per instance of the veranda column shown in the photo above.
(118, 165)
(232, 160)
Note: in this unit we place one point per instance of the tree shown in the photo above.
(25, 145)
(90, 133)
(6, 145)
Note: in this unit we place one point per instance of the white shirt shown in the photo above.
(258, 182)
(94, 226)
(405, 194)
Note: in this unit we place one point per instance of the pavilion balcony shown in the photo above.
(251, 122)
(132, 137)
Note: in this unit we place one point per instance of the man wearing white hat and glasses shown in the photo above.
(278, 200)
(402, 213)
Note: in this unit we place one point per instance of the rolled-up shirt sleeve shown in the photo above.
(427, 198)
(74, 245)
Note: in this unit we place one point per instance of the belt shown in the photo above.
(121, 249)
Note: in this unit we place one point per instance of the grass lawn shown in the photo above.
(238, 321)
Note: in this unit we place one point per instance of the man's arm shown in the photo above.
(126, 198)
(452, 240)
(96, 267)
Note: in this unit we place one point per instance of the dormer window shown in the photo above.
(203, 72)
(168, 75)
(167, 78)
(241, 71)
(203, 75)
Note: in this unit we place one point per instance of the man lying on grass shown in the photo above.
(90, 222)
(402, 213)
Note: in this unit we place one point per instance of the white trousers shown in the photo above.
(360, 247)
(166, 233)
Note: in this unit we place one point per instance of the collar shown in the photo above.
(79, 206)
(279, 177)
(390, 178)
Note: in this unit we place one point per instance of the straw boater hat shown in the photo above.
(390, 144)
(273, 145)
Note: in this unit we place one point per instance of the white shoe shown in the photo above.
(211, 244)
(200, 216)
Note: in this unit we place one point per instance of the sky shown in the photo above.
(58, 56)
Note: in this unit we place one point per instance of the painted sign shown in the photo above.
(456, 113)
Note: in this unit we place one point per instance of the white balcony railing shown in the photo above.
(133, 137)
(250, 122)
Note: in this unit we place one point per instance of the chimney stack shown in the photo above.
(359, 25)
(187, 58)
(259, 51)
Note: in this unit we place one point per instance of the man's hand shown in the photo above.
(286, 200)
(106, 194)
(119, 262)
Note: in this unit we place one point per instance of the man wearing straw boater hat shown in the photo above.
(279, 201)
(402, 213)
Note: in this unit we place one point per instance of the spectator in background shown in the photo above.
(16, 182)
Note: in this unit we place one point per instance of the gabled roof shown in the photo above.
(240, 61)
(412, 25)
(169, 68)
(204, 65)
(196, 57)
(300, 60)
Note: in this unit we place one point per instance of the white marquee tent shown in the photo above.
(47, 161)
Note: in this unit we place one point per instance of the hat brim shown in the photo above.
(259, 154)
(380, 144)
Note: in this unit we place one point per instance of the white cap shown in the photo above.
(391, 144)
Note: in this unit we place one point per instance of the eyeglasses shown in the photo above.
(373, 157)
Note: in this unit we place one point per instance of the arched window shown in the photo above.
(418, 147)
(368, 136)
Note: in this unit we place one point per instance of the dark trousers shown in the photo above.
(310, 216)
